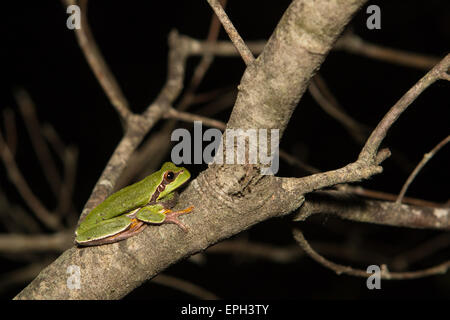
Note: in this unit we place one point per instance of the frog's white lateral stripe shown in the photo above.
(103, 237)
(132, 214)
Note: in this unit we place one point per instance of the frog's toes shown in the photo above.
(172, 217)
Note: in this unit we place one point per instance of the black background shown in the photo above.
(41, 55)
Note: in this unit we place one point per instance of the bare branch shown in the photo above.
(14, 174)
(97, 62)
(223, 48)
(385, 273)
(419, 167)
(15, 219)
(375, 194)
(358, 131)
(380, 131)
(259, 250)
(22, 275)
(293, 161)
(184, 286)
(330, 105)
(189, 117)
(67, 186)
(350, 42)
(240, 45)
(201, 69)
(10, 130)
(370, 157)
(20, 243)
(285, 254)
(27, 108)
(54, 140)
(371, 211)
(429, 247)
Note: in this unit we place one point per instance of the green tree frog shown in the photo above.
(127, 211)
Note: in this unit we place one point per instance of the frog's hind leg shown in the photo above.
(135, 227)
(121, 228)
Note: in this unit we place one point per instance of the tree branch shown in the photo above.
(419, 167)
(380, 212)
(385, 273)
(238, 42)
(97, 63)
(270, 89)
(48, 218)
(27, 108)
(377, 136)
(350, 42)
(184, 286)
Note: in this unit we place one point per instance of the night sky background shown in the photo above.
(38, 53)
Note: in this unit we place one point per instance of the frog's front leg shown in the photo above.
(158, 214)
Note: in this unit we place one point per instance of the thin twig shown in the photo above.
(427, 157)
(378, 135)
(184, 286)
(422, 251)
(350, 207)
(294, 161)
(203, 66)
(27, 108)
(358, 131)
(222, 102)
(20, 243)
(54, 140)
(15, 219)
(22, 275)
(386, 196)
(10, 129)
(189, 117)
(97, 62)
(323, 96)
(14, 174)
(384, 274)
(284, 254)
(238, 42)
(67, 186)
(352, 43)
(68, 156)
(223, 48)
(278, 254)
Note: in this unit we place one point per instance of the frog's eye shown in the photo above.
(169, 176)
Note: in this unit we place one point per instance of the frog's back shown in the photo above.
(122, 201)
